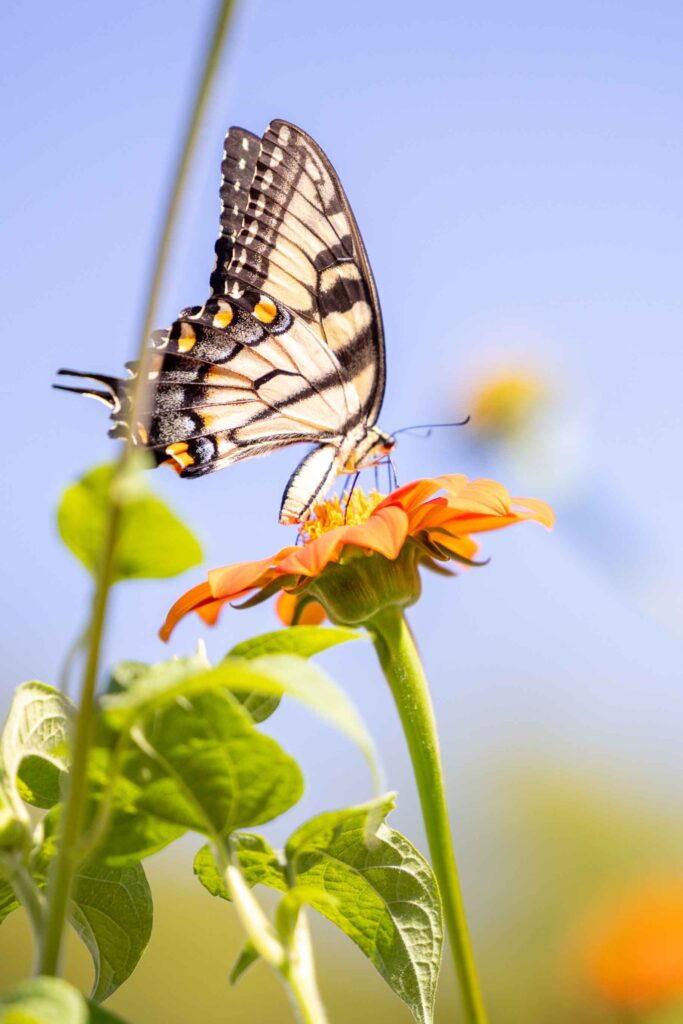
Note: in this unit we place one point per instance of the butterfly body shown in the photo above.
(289, 346)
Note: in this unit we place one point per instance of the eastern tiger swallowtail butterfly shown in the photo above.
(289, 347)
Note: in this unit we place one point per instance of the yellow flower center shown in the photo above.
(340, 511)
(507, 402)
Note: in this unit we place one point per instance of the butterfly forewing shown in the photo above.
(299, 243)
(289, 347)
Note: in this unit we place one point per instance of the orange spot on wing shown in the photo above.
(187, 339)
(180, 456)
(223, 318)
(265, 311)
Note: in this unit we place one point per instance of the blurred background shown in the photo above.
(516, 173)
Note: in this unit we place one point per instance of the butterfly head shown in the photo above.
(374, 447)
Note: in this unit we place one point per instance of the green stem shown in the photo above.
(403, 669)
(74, 650)
(299, 974)
(293, 959)
(66, 859)
(30, 897)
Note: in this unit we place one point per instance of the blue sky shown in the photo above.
(515, 171)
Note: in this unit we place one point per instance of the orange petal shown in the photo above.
(189, 602)
(465, 547)
(385, 532)
(210, 611)
(432, 512)
(312, 614)
(311, 558)
(234, 580)
(410, 496)
(480, 496)
(536, 509)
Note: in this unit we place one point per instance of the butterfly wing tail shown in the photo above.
(115, 395)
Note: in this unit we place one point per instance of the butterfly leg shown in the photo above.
(310, 482)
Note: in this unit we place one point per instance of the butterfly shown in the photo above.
(289, 346)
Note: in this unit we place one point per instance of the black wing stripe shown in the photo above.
(375, 392)
(240, 154)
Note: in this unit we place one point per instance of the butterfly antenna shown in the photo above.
(430, 426)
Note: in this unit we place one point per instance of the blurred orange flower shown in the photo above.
(634, 954)
(507, 402)
(424, 522)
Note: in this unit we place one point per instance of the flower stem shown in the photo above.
(66, 859)
(403, 669)
(299, 973)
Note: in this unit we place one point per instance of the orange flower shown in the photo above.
(634, 956)
(425, 522)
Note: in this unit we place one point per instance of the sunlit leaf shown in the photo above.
(51, 1001)
(202, 765)
(271, 675)
(34, 744)
(257, 860)
(382, 893)
(385, 897)
(116, 782)
(124, 674)
(152, 542)
(43, 1001)
(111, 910)
(304, 641)
(14, 824)
(99, 1015)
(8, 901)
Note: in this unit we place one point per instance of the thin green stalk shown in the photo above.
(65, 862)
(30, 897)
(292, 958)
(403, 669)
(299, 973)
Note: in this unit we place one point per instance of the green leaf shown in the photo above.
(51, 1001)
(43, 1001)
(385, 897)
(381, 893)
(152, 544)
(98, 1015)
(112, 912)
(118, 779)
(203, 766)
(124, 674)
(271, 675)
(302, 640)
(258, 863)
(247, 957)
(14, 824)
(34, 745)
(110, 909)
(8, 901)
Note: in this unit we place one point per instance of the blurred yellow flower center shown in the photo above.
(507, 402)
(340, 511)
